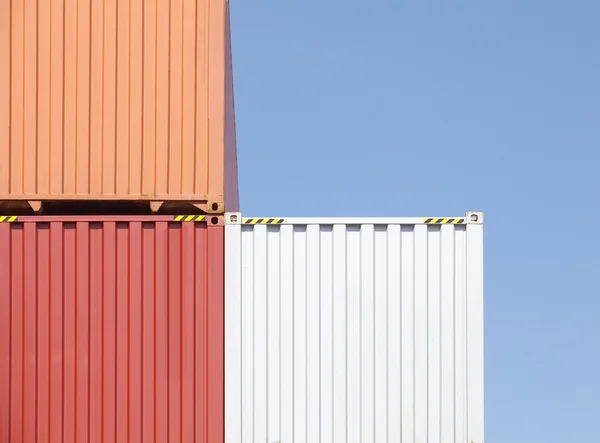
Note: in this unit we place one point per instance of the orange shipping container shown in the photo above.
(122, 101)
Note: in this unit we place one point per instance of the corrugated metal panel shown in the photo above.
(232, 197)
(342, 332)
(111, 331)
(114, 100)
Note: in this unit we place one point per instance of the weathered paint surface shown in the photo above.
(344, 330)
(116, 100)
(111, 329)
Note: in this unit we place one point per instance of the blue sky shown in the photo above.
(395, 108)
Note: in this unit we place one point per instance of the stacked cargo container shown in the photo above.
(117, 163)
(138, 305)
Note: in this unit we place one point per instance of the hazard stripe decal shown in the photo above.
(263, 221)
(444, 221)
(189, 218)
(8, 218)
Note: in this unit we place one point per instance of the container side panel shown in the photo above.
(109, 98)
(326, 336)
(215, 325)
(201, 260)
(149, 104)
(447, 309)
(96, 140)
(273, 356)
(340, 335)
(233, 337)
(353, 341)
(460, 341)
(161, 267)
(313, 332)
(216, 97)
(357, 332)
(188, 93)
(5, 333)
(260, 334)
(44, 128)
(175, 97)
(148, 280)
(187, 332)
(163, 82)
(174, 327)
(135, 81)
(123, 97)
(83, 94)
(69, 150)
(287, 331)
(135, 375)
(407, 333)
(57, 57)
(70, 304)
(367, 327)
(14, 152)
(5, 101)
(393, 270)
(202, 90)
(112, 331)
(299, 322)
(29, 97)
(122, 332)
(475, 380)
(29, 336)
(380, 335)
(82, 338)
(232, 197)
(17, 329)
(109, 332)
(43, 339)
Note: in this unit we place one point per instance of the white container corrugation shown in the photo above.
(354, 330)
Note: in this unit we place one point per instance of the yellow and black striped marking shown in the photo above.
(444, 221)
(263, 221)
(8, 218)
(189, 218)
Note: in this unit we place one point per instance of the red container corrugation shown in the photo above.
(111, 330)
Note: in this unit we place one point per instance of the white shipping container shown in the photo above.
(354, 330)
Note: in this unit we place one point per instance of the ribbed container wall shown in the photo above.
(347, 330)
(111, 330)
(128, 100)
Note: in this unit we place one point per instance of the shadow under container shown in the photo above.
(117, 101)
(111, 329)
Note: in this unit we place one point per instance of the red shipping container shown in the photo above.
(111, 329)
